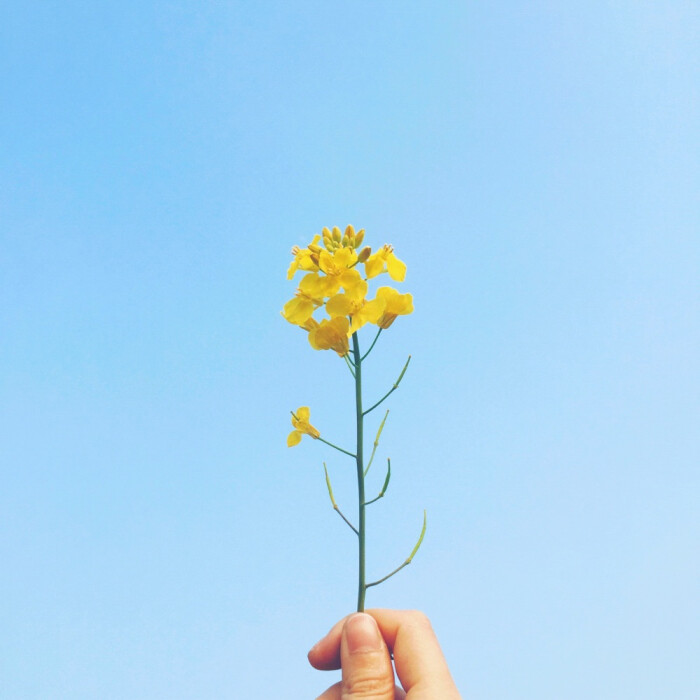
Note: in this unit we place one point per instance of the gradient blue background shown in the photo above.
(535, 164)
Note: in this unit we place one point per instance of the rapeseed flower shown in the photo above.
(331, 335)
(395, 304)
(354, 304)
(304, 258)
(333, 283)
(384, 260)
(300, 421)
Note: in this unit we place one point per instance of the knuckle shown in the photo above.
(368, 687)
(417, 618)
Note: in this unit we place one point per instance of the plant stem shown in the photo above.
(362, 586)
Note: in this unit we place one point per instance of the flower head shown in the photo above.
(334, 283)
(300, 421)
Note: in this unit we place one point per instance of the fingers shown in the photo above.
(420, 664)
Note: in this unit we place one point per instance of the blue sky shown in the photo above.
(534, 164)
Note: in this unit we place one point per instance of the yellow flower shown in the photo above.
(353, 303)
(304, 258)
(339, 270)
(331, 335)
(395, 304)
(298, 310)
(383, 259)
(301, 424)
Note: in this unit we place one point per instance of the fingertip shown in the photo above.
(325, 654)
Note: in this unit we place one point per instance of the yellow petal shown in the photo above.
(345, 257)
(312, 284)
(294, 438)
(395, 302)
(374, 265)
(325, 262)
(298, 310)
(303, 414)
(372, 310)
(339, 305)
(395, 267)
(351, 279)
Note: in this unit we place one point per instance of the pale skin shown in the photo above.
(361, 645)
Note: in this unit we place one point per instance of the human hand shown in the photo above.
(360, 645)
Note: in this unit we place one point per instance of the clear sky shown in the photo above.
(535, 164)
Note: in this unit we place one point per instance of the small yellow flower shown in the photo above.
(298, 310)
(354, 304)
(339, 270)
(331, 335)
(304, 258)
(301, 424)
(395, 304)
(385, 260)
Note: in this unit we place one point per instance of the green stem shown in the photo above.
(362, 586)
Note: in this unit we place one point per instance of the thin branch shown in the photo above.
(376, 442)
(350, 364)
(393, 388)
(340, 449)
(410, 556)
(376, 338)
(386, 483)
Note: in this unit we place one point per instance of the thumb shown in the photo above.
(364, 657)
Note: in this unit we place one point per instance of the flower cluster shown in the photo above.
(334, 282)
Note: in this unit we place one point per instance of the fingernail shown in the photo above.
(362, 634)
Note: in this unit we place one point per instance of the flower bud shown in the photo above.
(364, 254)
(336, 234)
(359, 237)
